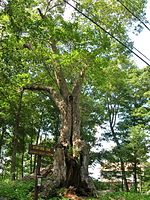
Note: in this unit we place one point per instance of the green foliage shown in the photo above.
(124, 196)
(23, 190)
(138, 143)
(16, 190)
(146, 178)
(27, 58)
(54, 198)
(101, 185)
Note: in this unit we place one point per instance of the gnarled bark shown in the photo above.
(71, 157)
(70, 167)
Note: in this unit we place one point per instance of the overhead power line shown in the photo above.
(111, 35)
(104, 24)
(141, 53)
(133, 14)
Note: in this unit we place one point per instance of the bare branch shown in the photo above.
(48, 8)
(49, 1)
(41, 14)
(59, 4)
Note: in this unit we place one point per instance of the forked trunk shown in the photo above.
(70, 168)
(71, 154)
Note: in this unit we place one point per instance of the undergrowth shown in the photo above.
(24, 190)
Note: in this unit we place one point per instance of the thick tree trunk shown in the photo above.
(71, 160)
(71, 155)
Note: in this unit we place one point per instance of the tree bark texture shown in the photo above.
(71, 155)
(70, 167)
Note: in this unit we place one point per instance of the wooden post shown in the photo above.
(39, 151)
(36, 180)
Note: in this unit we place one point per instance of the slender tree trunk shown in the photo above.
(124, 176)
(135, 175)
(31, 161)
(15, 137)
(31, 158)
(121, 159)
(1, 139)
(14, 152)
(22, 165)
(122, 184)
(1, 144)
(141, 178)
(37, 142)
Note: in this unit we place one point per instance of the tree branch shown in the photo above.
(78, 82)
(59, 4)
(41, 14)
(55, 96)
(60, 79)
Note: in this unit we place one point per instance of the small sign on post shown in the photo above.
(39, 151)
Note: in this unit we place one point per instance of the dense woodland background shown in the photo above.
(50, 66)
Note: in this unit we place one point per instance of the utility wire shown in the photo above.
(133, 46)
(141, 53)
(136, 7)
(107, 32)
(133, 14)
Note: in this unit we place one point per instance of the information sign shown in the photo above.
(40, 150)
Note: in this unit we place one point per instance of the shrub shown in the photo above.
(125, 196)
(16, 190)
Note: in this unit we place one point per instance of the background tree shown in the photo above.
(123, 103)
(138, 148)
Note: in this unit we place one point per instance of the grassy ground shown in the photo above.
(122, 196)
(24, 190)
(115, 196)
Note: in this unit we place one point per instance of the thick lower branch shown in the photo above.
(55, 96)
